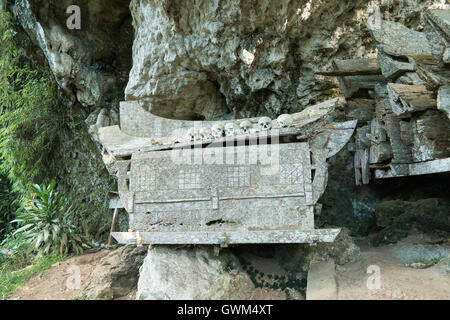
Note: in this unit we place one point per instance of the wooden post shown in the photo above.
(113, 225)
(116, 204)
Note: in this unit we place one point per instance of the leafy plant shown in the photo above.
(8, 205)
(40, 138)
(274, 282)
(30, 117)
(46, 223)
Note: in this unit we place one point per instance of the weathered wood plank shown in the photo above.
(353, 67)
(393, 67)
(431, 132)
(437, 29)
(407, 132)
(400, 151)
(377, 132)
(228, 237)
(430, 72)
(113, 225)
(119, 144)
(365, 169)
(410, 98)
(334, 137)
(395, 42)
(428, 167)
(137, 122)
(357, 166)
(380, 152)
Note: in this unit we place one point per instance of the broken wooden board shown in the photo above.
(353, 67)
(333, 137)
(410, 78)
(405, 99)
(437, 30)
(225, 238)
(380, 149)
(420, 168)
(431, 136)
(393, 67)
(395, 43)
(401, 153)
(361, 158)
(430, 72)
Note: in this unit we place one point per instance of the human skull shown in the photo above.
(218, 131)
(205, 133)
(245, 126)
(265, 123)
(285, 120)
(193, 134)
(231, 129)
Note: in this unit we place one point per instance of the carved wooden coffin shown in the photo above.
(181, 190)
(254, 188)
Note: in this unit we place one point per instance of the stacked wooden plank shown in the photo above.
(437, 30)
(401, 100)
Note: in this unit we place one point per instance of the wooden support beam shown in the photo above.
(427, 167)
(113, 224)
(224, 238)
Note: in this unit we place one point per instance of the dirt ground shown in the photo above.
(55, 283)
(398, 279)
(400, 276)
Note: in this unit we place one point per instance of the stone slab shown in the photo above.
(322, 281)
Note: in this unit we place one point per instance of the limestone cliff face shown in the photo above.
(90, 65)
(203, 59)
(211, 59)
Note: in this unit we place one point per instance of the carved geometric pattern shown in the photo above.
(189, 178)
(145, 178)
(291, 174)
(238, 177)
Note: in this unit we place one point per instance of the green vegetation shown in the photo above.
(274, 282)
(83, 296)
(52, 188)
(30, 117)
(431, 262)
(8, 205)
(300, 107)
(46, 223)
(42, 140)
(11, 279)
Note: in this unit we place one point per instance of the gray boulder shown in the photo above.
(192, 274)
